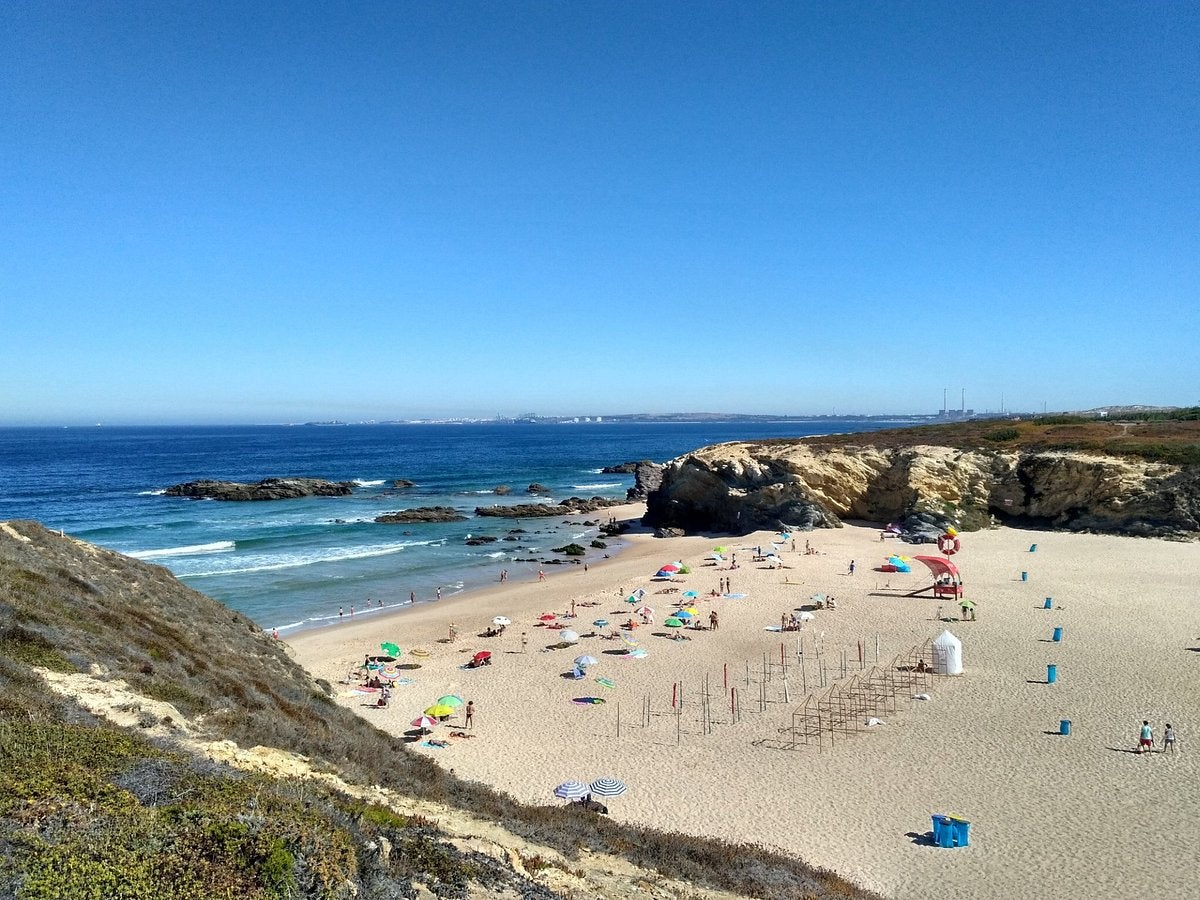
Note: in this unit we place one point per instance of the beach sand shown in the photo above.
(1051, 815)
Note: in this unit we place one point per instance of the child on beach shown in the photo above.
(1168, 739)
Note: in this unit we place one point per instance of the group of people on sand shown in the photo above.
(1146, 738)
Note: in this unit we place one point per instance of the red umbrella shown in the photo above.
(547, 617)
(669, 567)
(482, 654)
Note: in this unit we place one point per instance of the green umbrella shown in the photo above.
(450, 700)
(967, 604)
(672, 622)
(389, 648)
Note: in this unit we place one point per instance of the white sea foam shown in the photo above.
(192, 550)
(499, 554)
(594, 471)
(363, 483)
(604, 485)
(273, 563)
(157, 493)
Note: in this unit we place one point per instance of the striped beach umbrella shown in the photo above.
(571, 790)
(607, 787)
(424, 723)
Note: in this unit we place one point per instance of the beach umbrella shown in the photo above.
(670, 567)
(585, 660)
(690, 595)
(629, 640)
(639, 593)
(806, 616)
(547, 617)
(450, 700)
(502, 620)
(607, 787)
(424, 723)
(716, 557)
(644, 611)
(568, 635)
(967, 604)
(389, 674)
(682, 614)
(672, 622)
(600, 623)
(482, 655)
(638, 653)
(419, 652)
(439, 709)
(571, 790)
(690, 610)
(390, 649)
(720, 549)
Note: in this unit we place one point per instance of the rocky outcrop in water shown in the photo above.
(745, 486)
(267, 489)
(569, 507)
(421, 514)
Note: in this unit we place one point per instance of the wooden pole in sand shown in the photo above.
(725, 671)
(678, 716)
(782, 659)
(877, 648)
(860, 656)
(618, 720)
(803, 672)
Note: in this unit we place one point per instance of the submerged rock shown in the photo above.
(422, 514)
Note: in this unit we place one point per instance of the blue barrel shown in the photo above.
(1051, 673)
(961, 832)
(1049, 604)
(1033, 548)
(1057, 636)
(1024, 576)
(1064, 727)
(938, 822)
(946, 834)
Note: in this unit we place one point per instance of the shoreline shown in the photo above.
(555, 574)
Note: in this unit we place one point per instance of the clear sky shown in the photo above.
(268, 212)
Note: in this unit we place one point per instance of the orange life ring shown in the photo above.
(948, 544)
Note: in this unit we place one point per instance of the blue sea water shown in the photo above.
(295, 563)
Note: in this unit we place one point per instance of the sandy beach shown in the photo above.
(1051, 815)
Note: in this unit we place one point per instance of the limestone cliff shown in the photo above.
(743, 486)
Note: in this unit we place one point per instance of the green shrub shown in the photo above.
(997, 435)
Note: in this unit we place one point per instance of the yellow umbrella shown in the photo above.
(439, 709)
(418, 651)
(691, 610)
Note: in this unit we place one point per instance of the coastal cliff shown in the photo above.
(744, 486)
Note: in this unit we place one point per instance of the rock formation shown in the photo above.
(537, 488)
(647, 476)
(568, 507)
(267, 489)
(421, 514)
(744, 486)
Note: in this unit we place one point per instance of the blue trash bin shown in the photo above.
(961, 828)
(1057, 636)
(1049, 604)
(1051, 673)
(1033, 548)
(1024, 576)
(941, 824)
(946, 834)
(1064, 727)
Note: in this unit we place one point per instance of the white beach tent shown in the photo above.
(947, 654)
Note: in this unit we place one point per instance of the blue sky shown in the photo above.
(281, 212)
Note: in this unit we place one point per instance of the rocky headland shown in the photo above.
(744, 486)
(267, 489)
(421, 514)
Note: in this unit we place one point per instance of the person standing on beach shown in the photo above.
(541, 575)
(470, 714)
(1168, 739)
(341, 612)
(412, 596)
(851, 567)
(1145, 738)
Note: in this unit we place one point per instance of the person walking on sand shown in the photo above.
(851, 567)
(439, 593)
(1145, 738)
(1168, 739)
(470, 714)
(541, 575)
(412, 596)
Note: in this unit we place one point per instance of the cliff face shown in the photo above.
(741, 487)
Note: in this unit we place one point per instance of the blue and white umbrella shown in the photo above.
(607, 787)
(572, 790)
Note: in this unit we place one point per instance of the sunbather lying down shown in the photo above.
(462, 734)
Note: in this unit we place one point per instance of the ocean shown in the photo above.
(292, 564)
